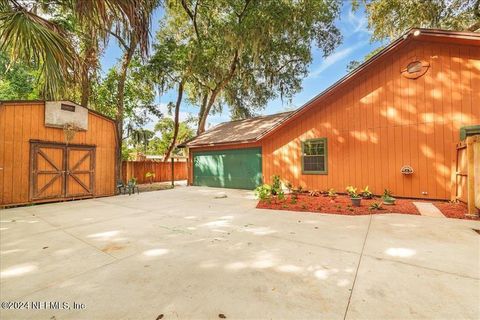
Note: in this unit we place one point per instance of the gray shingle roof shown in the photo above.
(239, 131)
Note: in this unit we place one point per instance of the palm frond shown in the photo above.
(131, 15)
(30, 38)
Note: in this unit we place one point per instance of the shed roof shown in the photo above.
(239, 131)
(33, 101)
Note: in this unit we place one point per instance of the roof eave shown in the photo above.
(225, 143)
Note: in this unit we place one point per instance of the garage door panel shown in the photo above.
(238, 168)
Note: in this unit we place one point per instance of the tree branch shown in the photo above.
(476, 11)
(119, 39)
(241, 14)
(193, 17)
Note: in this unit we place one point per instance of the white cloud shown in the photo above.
(334, 58)
(357, 23)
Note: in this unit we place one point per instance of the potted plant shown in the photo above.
(387, 197)
(366, 193)
(150, 176)
(354, 196)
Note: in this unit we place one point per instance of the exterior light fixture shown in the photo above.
(416, 33)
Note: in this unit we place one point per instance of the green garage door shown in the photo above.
(237, 168)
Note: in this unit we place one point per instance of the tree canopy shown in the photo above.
(388, 19)
(48, 33)
(242, 53)
(165, 130)
(18, 81)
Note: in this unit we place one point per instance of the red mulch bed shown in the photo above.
(454, 210)
(342, 205)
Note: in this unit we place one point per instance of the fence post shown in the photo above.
(472, 211)
(173, 175)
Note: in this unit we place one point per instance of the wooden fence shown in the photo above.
(162, 171)
(468, 173)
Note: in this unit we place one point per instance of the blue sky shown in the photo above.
(323, 72)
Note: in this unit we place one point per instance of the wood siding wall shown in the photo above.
(379, 121)
(162, 170)
(22, 122)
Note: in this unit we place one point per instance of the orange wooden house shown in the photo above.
(393, 123)
(54, 150)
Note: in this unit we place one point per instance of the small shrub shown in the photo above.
(366, 193)
(276, 185)
(150, 176)
(284, 206)
(387, 194)
(293, 199)
(304, 206)
(263, 192)
(281, 195)
(375, 206)
(352, 191)
(387, 197)
(332, 193)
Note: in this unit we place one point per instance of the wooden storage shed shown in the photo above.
(53, 151)
(393, 123)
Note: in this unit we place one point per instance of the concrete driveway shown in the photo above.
(184, 254)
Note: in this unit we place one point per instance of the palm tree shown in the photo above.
(30, 37)
(28, 33)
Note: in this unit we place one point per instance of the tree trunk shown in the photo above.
(127, 57)
(218, 88)
(89, 65)
(176, 120)
(202, 121)
(85, 87)
(202, 112)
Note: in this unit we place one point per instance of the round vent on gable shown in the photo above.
(414, 68)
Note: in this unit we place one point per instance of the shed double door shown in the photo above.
(61, 171)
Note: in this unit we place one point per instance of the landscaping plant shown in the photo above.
(263, 192)
(375, 206)
(293, 199)
(314, 193)
(354, 196)
(332, 193)
(276, 185)
(366, 193)
(387, 197)
(150, 176)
